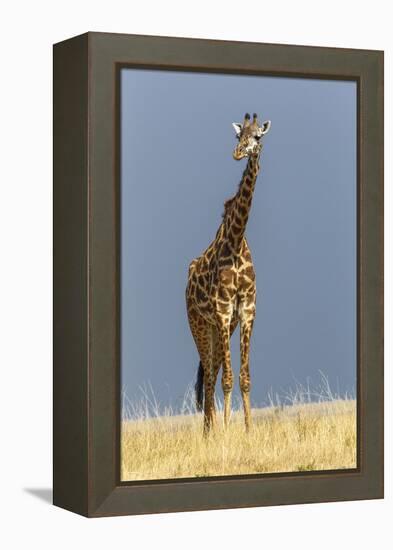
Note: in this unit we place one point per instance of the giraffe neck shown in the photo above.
(237, 216)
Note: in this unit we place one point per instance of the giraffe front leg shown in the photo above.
(202, 333)
(217, 362)
(206, 354)
(209, 413)
(227, 375)
(244, 377)
(218, 357)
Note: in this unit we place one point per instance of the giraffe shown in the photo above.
(221, 288)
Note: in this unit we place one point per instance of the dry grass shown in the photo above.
(299, 437)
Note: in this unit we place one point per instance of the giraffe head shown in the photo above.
(250, 135)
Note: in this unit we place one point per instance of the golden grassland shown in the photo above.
(298, 437)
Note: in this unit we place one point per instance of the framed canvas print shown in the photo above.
(218, 274)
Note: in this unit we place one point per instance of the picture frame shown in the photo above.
(86, 384)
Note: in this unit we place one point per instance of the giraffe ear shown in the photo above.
(238, 128)
(265, 127)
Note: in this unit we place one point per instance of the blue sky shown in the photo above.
(176, 172)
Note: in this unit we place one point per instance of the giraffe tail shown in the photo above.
(199, 388)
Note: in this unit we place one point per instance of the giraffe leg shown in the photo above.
(218, 353)
(227, 379)
(246, 324)
(209, 412)
(205, 347)
(227, 375)
(203, 337)
(217, 361)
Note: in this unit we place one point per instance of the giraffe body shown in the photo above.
(221, 289)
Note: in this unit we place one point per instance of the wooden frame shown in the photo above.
(86, 252)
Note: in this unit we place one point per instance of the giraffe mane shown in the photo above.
(229, 202)
(228, 205)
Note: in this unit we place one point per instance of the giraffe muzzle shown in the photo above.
(239, 154)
